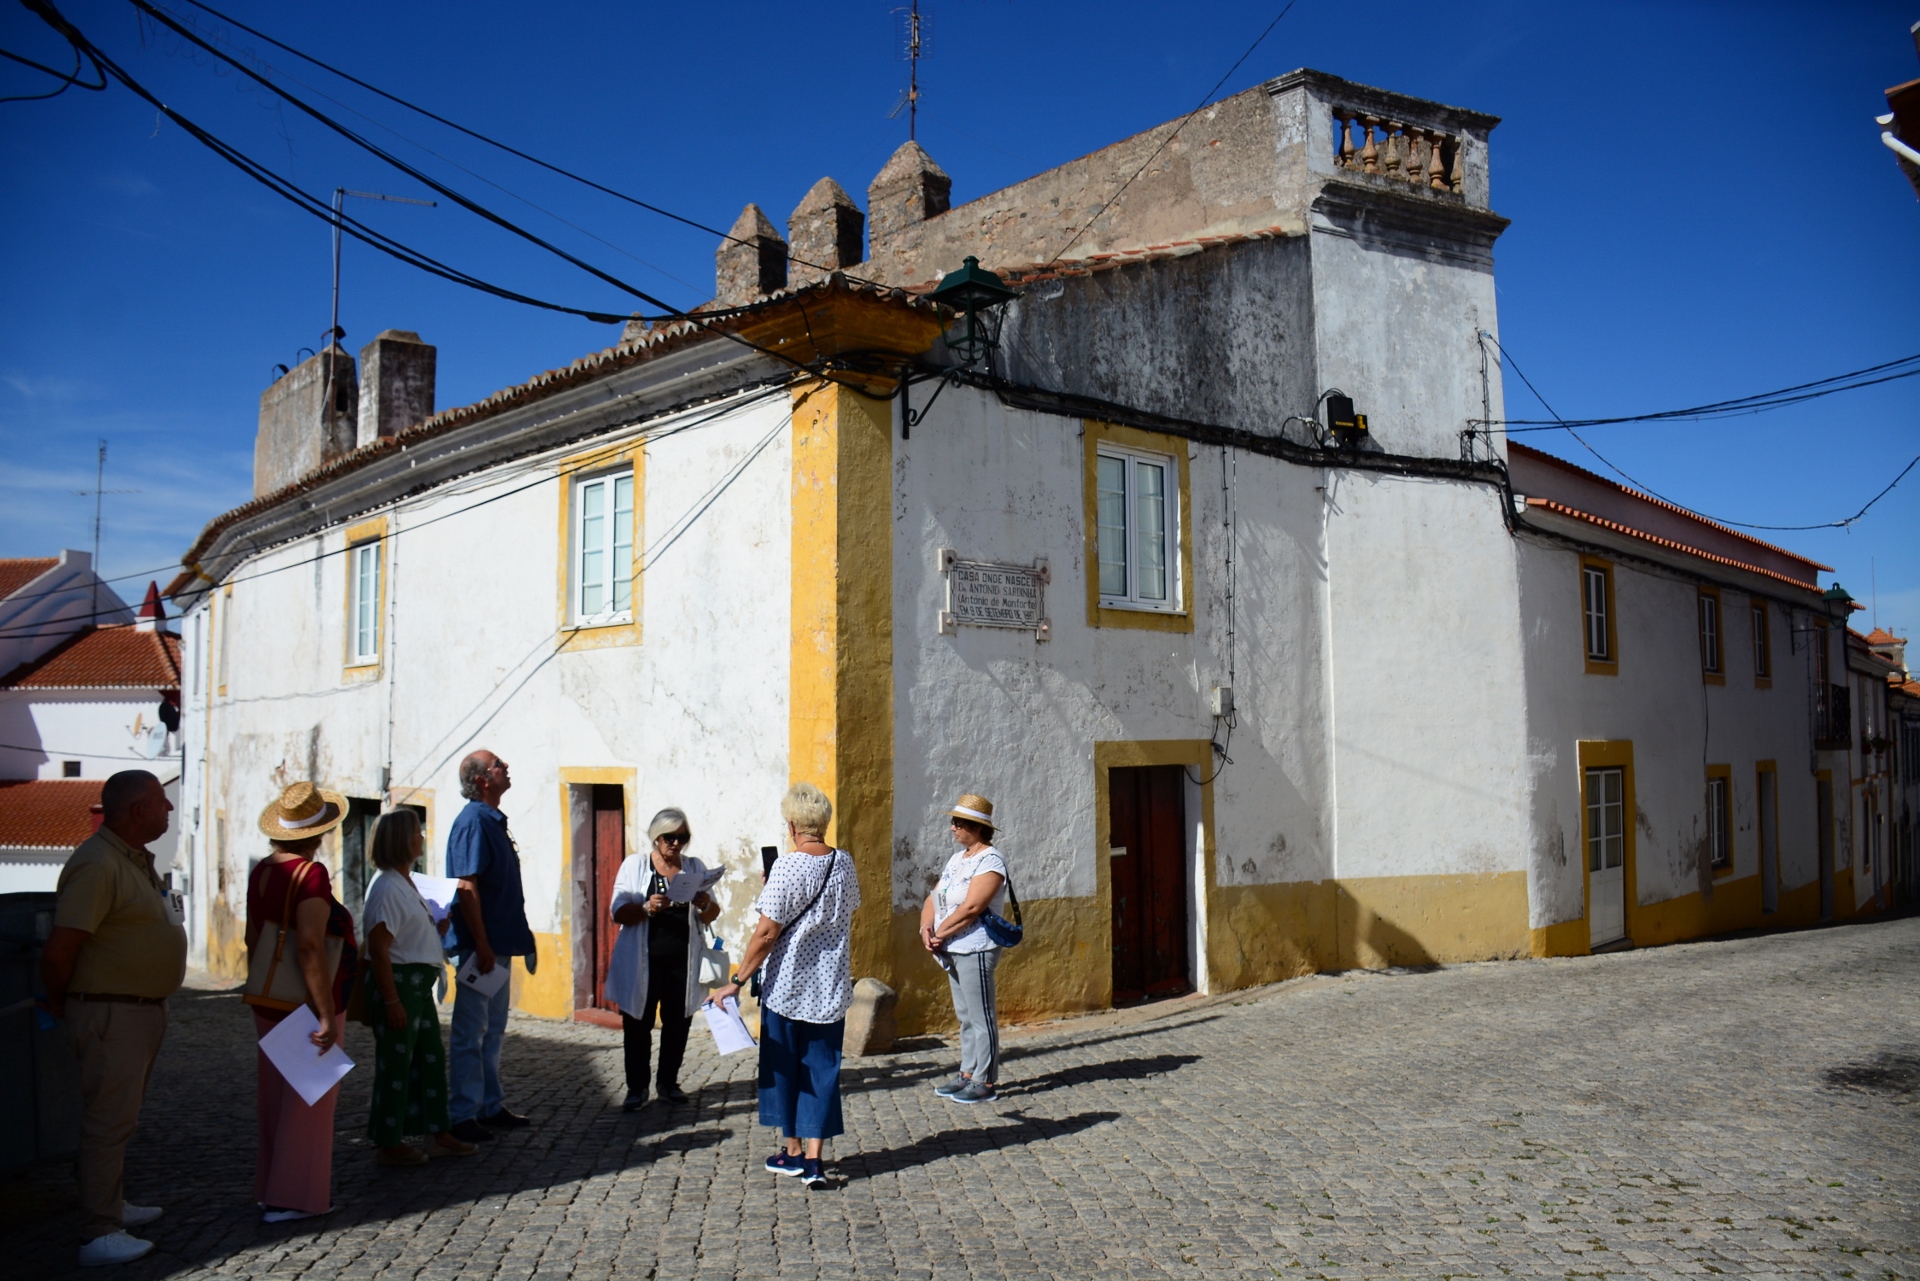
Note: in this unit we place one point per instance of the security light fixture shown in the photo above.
(971, 291)
(1348, 428)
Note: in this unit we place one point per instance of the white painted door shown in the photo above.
(1606, 855)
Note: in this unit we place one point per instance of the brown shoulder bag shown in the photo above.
(271, 985)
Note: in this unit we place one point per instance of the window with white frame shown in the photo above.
(1606, 819)
(603, 549)
(1719, 821)
(363, 603)
(1138, 536)
(1762, 654)
(1596, 588)
(1709, 633)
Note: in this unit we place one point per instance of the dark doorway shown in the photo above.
(356, 856)
(1147, 814)
(609, 849)
(1823, 817)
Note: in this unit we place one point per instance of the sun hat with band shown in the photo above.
(975, 809)
(301, 812)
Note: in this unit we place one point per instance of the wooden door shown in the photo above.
(1606, 855)
(1823, 819)
(1764, 808)
(609, 849)
(1148, 858)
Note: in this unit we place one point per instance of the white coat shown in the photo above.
(627, 971)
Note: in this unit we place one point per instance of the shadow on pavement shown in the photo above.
(1095, 1073)
(967, 1141)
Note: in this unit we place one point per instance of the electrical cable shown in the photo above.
(68, 80)
(1738, 406)
(1164, 142)
(1568, 427)
(495, 143)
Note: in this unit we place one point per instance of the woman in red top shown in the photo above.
(294, 1179)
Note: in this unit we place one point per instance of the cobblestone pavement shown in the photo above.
(1743, 1107)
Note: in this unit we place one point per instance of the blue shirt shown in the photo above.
(478, 848)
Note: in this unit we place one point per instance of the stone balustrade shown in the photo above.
(1414, 154)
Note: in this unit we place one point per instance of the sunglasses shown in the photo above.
(676, 838)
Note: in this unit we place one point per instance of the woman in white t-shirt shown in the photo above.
(973, 883)
(403, 942)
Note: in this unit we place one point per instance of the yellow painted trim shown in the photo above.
(550, 993)
(1093, 434)
(423, 797)
(1725, 870)
(840, 682)
(607, 458)
(1597, 666)
(367, 531)
(1601, 754)
(1194, 753)
(1719, 676)
(1766, 639)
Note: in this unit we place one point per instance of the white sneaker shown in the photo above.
(115, 1247)
(292, 1216)
(138, 1216)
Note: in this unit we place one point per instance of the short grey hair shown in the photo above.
(471, 772)
(122, 791)
(668, 820)
(808, 809)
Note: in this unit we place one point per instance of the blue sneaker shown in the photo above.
(782, 1163)
(976, 1092)
(812, 1176)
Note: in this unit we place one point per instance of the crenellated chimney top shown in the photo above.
(397, 374)
(753, 263)
(907, 191)
(826, 231)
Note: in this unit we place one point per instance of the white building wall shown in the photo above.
(41, 729)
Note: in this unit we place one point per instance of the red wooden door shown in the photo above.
(609, 849)
(1146, 814)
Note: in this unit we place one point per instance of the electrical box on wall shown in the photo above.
(1221, 703)
(1346, 425)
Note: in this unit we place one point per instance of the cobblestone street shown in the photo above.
(1743, 1107)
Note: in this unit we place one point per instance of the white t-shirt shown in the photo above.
(951, 892)
(392, 901)
(809, 974)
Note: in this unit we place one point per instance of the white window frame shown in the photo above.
(1711, 651)
(1606, 818)
(1133, 598)
(363, 602)
(608, 546)
(1762, 643)
(1594, 584)
(1720, 821)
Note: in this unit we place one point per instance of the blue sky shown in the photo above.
(1701, 208)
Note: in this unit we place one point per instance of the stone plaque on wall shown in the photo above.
(983, 593)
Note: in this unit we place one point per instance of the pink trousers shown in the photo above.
(296, 1141)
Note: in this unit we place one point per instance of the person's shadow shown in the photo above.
(967, 1141)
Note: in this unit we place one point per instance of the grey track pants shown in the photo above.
(970, 975)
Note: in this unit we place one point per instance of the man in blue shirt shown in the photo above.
(489, 924)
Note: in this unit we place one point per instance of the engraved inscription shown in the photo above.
(990, 595)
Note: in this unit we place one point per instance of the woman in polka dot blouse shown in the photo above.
(803, 949)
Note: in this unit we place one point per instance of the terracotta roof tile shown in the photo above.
(1548, 504)
(18, 572)
(104, 658)
(48, 813)
(1881, 636)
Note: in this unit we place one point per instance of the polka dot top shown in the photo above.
(809, 973)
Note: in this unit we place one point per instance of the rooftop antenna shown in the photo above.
(913, 40)
(334, 332)
(99, 488)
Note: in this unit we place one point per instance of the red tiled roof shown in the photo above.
(104, 658)
(1547, 504)
(1539, 455)
(48, 813)
(1881, 636)
(18, 572)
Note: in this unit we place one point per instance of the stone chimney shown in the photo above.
(826, 233)
(396, 384)
(910, 189)
(295, 435)
(752, 264)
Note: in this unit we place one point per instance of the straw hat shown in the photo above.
(975, 809)
(303, 811)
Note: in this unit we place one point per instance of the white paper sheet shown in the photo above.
(684, 886)
(728, 1028)
(307, 1070)
(484, 984)
(438, 891)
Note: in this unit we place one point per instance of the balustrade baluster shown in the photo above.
(1394, 142)
(1345, 120)
(1369, 154)
(1436, 169)
(1457, 179)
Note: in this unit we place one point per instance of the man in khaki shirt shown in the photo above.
(117, 952)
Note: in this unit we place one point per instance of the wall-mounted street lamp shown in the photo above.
(976, 293)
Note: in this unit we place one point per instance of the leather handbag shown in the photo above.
(272, 985)
(1003, 932)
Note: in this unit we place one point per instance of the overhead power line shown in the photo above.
(68, 79)
(1568, 425)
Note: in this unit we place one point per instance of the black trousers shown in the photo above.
(667, 994)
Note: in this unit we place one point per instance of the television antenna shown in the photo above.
(913, 40)
(334, 332)
(99, 488)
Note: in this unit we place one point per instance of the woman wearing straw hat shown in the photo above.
(656, 957)
(294, 1178)
(970, 886)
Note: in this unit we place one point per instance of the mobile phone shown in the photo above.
(769, 855)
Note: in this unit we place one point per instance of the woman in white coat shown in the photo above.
(656, 959)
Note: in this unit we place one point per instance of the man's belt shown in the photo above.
(116, 997)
